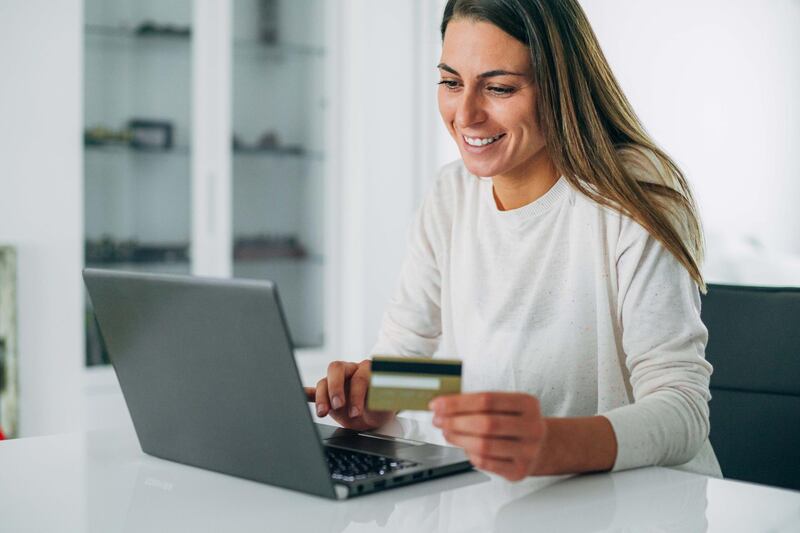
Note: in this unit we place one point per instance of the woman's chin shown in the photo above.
(483, 169)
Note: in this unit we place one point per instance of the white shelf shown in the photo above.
(129, 35)
(185, 151)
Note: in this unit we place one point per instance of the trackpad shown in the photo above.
(368, 444)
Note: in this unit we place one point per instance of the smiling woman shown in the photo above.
(548, 79)
(558, 259)
(487, 99)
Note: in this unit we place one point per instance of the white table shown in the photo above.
(101, 482)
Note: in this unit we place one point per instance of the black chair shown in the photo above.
(754, 345)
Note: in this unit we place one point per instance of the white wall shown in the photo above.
(41, 203)
(445, 146)
(716, 84)
(388, 93)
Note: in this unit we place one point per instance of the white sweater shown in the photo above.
(563, 299)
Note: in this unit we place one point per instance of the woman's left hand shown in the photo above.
(502, 432)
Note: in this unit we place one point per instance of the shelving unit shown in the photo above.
(185, 151)
(130, 34)
(268, 93)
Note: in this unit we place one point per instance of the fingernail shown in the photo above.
(320, 409)
(354, 412)
(433, 405)
(337, 402)
(437, 420)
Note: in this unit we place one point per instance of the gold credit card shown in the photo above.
(409, 383)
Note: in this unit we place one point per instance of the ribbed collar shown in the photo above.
(557, 192)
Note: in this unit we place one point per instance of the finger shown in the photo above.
(484, 402)
(359, 383)
(511, 470)
(483, 425)
(499, 448)
(311, 393)
(322, 397)
(338, 373)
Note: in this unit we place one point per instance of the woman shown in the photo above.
(559, 259)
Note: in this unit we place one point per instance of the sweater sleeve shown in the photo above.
(663, 339)
(412, 323)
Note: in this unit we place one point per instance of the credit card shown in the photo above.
(409, 383)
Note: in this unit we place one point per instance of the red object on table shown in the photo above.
(2, 437)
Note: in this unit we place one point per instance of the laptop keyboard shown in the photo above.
(348, 465)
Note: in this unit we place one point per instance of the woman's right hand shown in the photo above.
(343, 393)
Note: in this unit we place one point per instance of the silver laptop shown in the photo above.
(207, 370)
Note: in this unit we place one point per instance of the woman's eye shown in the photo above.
(500, 91)
(450, 85)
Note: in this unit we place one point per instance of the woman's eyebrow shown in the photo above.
(487, 74)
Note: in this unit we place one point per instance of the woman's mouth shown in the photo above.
(477, 145)
(482, 141)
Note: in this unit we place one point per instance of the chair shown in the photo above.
(754, 345)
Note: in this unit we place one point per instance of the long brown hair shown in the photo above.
(593, 137)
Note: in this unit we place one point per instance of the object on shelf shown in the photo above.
(267, 142)
(107, 250)
(267, 247)
(148, 134)
(9, 354)
(294, 149)
(268, 21)
(141, 134)
(2, 364)
(102, 136)
(150, 28)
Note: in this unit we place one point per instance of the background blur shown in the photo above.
(293, 139)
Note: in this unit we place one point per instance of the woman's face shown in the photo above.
(487, 99)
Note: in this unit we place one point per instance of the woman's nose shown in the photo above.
(470, 110)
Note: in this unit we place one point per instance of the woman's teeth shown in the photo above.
(477, 141)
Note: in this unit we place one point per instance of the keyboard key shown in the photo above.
(347, 465)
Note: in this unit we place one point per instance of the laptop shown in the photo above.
(207, 370)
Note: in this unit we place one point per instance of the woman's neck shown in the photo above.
(526, 183)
